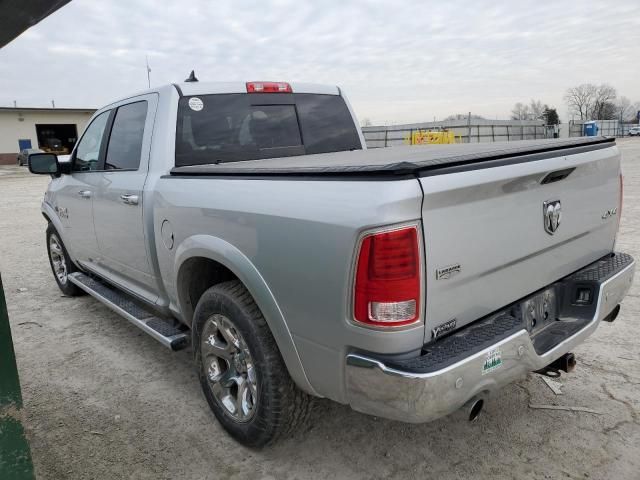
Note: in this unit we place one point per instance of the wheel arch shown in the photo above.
(50, 216)
(202, 261)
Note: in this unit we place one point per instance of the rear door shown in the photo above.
(495, 235)
(119, 202)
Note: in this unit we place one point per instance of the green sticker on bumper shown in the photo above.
(493, 361)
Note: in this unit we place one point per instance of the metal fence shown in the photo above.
(608, 128)
(475, 132)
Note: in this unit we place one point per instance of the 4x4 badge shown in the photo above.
(551, 215)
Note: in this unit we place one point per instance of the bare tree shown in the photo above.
(520, 111)
(634, 115)
(603, 105)
(365, 122)
(536, 109)
(623, 107)
(464, 116)
(580, 99)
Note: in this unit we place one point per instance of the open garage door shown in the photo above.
(57, 138)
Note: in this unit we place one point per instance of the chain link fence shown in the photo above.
(608, 128)
(477, 131)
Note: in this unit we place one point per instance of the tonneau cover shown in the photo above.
(401, 160)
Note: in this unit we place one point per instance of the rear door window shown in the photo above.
(125, 142)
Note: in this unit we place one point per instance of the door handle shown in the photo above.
(129, 199)
(85, 193)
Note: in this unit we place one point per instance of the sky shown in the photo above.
(397, 61)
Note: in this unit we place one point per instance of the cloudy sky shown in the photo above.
(399, 61)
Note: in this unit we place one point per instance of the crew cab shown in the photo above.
(249, 221)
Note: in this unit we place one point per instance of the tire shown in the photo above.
(61, 264)
(250, 391)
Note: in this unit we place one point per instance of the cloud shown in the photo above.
(398, 61)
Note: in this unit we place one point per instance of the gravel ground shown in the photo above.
(103, 400)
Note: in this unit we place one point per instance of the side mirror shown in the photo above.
(44, 164)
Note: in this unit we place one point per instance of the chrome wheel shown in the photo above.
(229, 368)
(57, 259)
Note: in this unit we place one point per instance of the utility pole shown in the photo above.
(469, 128)
(148, 73)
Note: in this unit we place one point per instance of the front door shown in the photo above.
(74, 200)
(118, 205)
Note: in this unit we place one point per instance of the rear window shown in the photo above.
(235, 127)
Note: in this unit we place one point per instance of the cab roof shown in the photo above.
(205, 88)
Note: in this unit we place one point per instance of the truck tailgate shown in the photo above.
(484, 230)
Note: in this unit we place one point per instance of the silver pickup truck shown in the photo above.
(250, 221)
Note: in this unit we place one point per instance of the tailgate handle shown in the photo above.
(557, 175)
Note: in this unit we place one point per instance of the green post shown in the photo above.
(15, 456)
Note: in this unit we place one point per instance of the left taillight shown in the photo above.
(387, 290)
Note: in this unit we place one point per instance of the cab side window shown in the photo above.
(125, 142)
(88, 150)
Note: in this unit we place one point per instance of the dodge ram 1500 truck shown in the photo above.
(250, 221)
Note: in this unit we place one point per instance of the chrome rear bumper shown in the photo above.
(376, 388)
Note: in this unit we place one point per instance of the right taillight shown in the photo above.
(387, 287)
(620, 202)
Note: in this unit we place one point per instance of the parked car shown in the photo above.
(633, 131)
(23, 156)
(409, 282)
(54, 145)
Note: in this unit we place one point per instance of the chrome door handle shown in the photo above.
(85, 193)
(129, 199)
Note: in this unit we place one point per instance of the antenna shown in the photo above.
(192, 77)
(148, 72)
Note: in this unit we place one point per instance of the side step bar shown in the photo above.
(160, 329)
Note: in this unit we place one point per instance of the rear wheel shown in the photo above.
(61, 264)
(242, 374)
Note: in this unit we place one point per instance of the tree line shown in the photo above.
(600, 102)
(535, 110)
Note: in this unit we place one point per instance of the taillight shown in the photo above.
(620, 200)
(387, 282)
(268, 87)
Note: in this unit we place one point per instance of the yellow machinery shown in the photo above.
(439, 137)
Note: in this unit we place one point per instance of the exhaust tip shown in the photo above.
(476, 408)
(613, 315)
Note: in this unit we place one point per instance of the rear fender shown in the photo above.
(220, 251)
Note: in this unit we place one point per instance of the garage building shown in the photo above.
(50, 129)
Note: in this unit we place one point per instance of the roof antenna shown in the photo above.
(192, 77)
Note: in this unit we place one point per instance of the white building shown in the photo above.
(54, 129)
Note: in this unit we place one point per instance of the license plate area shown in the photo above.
(540, 310)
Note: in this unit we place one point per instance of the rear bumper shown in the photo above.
(403, 392)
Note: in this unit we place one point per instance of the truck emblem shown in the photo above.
(551, 215)
(609, 213)
(443, 328)
(447, 272)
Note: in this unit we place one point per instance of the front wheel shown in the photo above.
(242, 374)
(61, 264)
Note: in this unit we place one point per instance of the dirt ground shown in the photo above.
(106, 401)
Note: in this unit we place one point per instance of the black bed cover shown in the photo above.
(420, 160)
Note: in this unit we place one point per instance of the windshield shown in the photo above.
(235, 127)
